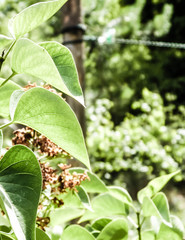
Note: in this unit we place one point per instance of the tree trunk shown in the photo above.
(72, 38)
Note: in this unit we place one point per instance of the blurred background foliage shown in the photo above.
(136, 127)
(134, 93)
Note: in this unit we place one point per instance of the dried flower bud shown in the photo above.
(68, 180)
(48, 175)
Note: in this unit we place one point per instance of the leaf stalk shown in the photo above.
(5, 125)
(6, 80)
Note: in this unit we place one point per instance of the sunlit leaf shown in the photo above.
(161, 203)
(104, 205)
(4, 41)
(116, 229)
(76, 232)
(175, 232)
(95, 185)
(71, 199)
(5, 93)
(1, 140)
(15, 97)
(148, 235)
(30, 58)
(63, 215)
(177, 225)
(84, 198)
(121, 194)
(65, 64)
(33, 16)
(150, 209)
(4, 222)
(155, 186)
(50, 115)
(20, 187)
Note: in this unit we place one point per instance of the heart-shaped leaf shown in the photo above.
(116, 229)
(20, 187)
(76, 232)
(50, 115)
(95, 185)
(4, 41)
(59, 71)
(65, 64)
(5, 93)
(155, 186)
(33, 16)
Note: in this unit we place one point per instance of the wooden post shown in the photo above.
(73, 31)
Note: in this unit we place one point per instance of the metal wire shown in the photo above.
(151, 43)
(103, 40)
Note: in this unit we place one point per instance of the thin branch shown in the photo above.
(139, 226)
(9, 49)
(6, 80)
(6, 125)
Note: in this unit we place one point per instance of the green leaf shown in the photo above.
(41, 235)
(5, 93)
(20, 187)
(70, 199)
(104, 205)
(121, 194)
(161, 203)
(33, 16)
(116, 229)
(63, 215)
(76, 232)
(50, 115)
(1, 141)
(175, 232)
(84, 198)
(148, 235)
(4, 222)
(6, 232)
(150, 209)
(65, 64)
(155, 186)
(177, 225)
(95, 185)
(4, 236)
(30, 58)
(14, 99)
(4, 41)
(100, 223)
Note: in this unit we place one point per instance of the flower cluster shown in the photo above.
(69, 180)
(56, 184)
(31, 138)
